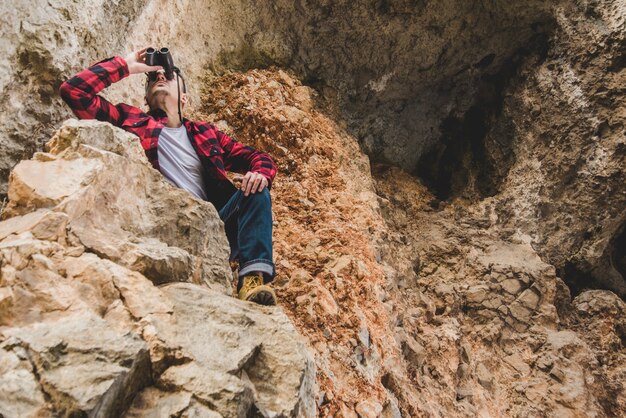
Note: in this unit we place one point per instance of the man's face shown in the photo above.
(162, 89)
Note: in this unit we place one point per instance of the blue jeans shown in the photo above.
(248, 224)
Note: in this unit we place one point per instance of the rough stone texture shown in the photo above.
(415, 307)
(81, 364)
(249, 364)
(88, 235)
(328, 278)
(564, 119)
(117, 206)
(444, 295)
(497, 332)
(398, 70)
(461, 93)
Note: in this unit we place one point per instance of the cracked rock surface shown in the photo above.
(112, 304)
(484, 279)
(415, 307)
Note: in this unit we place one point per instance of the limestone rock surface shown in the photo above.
(398, 71)
(489, 327)
(117, 206)
(115, 296)
(465, 95)
(566, 184)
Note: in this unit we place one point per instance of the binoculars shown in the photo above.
(163, 58)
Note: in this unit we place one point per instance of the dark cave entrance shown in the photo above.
(608, 274)
(449, 167)
(474, 154)
(577, 279)
(475, 151)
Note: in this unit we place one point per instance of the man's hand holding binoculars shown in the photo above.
(136, 62)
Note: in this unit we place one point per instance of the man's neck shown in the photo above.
(173, 121)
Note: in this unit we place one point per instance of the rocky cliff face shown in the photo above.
(565, 187)
(416, 308)
(470, 266)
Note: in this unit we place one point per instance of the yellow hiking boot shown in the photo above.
(254, 290)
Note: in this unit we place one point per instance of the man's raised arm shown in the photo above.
(81, 91)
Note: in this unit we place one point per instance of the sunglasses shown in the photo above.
(152, 76)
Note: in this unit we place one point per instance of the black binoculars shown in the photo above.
(163, 58)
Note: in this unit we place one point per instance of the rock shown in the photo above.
(155, 403)
(519, 137)
(6, 302)
(545, 362)
(529, 299)
(369, 409)
(574, 210)
(364, 336)
(83, 367)
(561, 340)
(164, 245)
(599, 302)
(51, 227)
(464, 391)
(484, 376)
(20, 389)
(520, 312)
(223, 391)
(493, 302)
(476, 294)
(279, 372)
(391, 410)
(511, 286)
(341, 265)
(31, 188)
(347, 412)
(84, 330)
(325, 300)
(518, 363)
(21, 223)
(413, 352)
(72, 136)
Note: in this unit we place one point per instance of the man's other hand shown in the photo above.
(136, 62)
(252, 183)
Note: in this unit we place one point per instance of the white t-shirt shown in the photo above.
(179, 162)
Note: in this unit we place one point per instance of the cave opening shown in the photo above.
(475, 150)
(577, 279)
(448, 167)
(608, 274)
(462, 162)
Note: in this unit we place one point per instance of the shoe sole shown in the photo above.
(263, 297)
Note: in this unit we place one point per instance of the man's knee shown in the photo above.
(259, 198)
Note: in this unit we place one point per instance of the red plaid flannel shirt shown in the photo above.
(216, 150)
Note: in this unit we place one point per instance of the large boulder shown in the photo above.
(90, 232)
(115, 205)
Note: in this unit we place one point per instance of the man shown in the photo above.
(194, 156)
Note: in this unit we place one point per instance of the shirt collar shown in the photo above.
(160, 114)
